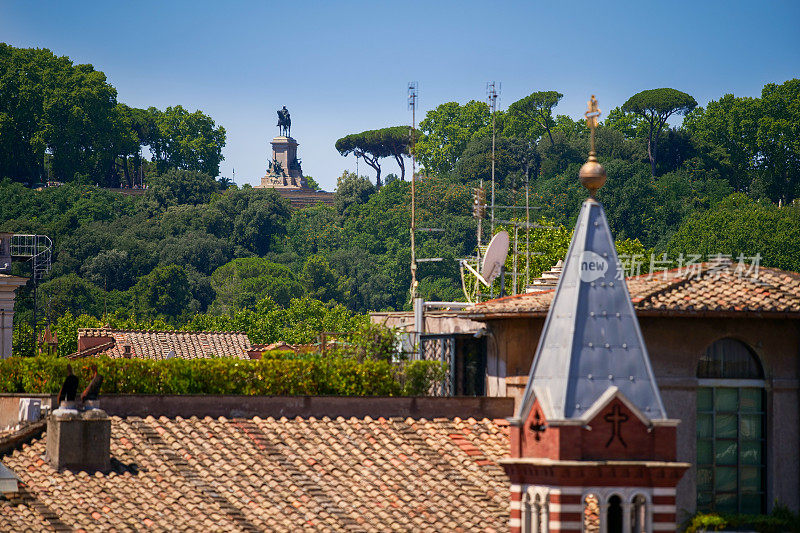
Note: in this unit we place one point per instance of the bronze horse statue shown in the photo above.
(284, 122)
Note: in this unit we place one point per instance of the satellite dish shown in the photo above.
(495, 256)
(492, 261)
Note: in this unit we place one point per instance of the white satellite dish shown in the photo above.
(493, 259)
(495, 256)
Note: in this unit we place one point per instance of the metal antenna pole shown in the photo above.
(514, 275)
(527, 233)
(412, 103)
(492, 96)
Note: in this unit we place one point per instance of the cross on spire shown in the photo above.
(592, 114)
(616, 418)
(592, 173)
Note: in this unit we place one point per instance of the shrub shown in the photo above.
(781, 520)
(307, 374)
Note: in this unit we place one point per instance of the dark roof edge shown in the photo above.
(232, 406)
(666, 313)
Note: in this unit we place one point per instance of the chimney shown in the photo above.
(89, 338)
(79, 440)
(126, 351)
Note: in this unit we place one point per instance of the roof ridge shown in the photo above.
(134, 330)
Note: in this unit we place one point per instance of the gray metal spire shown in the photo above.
(591, 339)
(591, 343)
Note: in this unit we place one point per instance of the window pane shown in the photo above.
(750, 400)
(705, 452)
(726, 452)
(705, 479)
(750, 452)
(725, 479)
(704, 501)
(751, 427)
(704, 400)
(704, 426)
(750, 479)
(725, 426)
(751, 503)
(725, 503)
(727, 399)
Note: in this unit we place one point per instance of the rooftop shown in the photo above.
(146, 344)
(710, 288)
(274, 474)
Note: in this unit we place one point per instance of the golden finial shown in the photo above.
(592, 174)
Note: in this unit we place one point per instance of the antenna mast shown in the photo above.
(412, 105)
(492, 93)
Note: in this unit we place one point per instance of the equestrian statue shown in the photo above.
(284, 122)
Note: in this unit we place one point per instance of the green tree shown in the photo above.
(373, 145)
(163, 292)
(740, 225)
(312, 183)
(446, 132)
(176, 187)
(532, 116)
(655, 106)
(243, 282)
(187, 141)
(321, 281)
(110, 269)
(351, 190)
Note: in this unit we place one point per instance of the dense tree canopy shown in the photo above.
(198, 253)
(446, 132)
(532, 116)
(61, 121)
(655, 106)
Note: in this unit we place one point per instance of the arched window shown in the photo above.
(639, 514)
(527, 508)
(730, 429)
(614, 515)
(544, 515)
(591, 514)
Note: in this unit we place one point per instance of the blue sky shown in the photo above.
(342, 66)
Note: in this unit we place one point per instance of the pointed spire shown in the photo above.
(591, 341)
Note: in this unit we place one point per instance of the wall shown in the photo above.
(305, 406)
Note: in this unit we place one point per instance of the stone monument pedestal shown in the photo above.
(79, 440)
(287, 173)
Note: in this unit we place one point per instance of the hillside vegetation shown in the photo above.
(195, 252)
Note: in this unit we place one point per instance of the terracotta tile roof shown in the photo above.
(252, 474)
(146, 344)
(711, 288)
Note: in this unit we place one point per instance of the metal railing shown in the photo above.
(440, 348)
(37, 248)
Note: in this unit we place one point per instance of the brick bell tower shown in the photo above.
(592, 448)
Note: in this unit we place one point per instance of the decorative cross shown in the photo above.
(537, 427)
(592, 113)
(616, 418)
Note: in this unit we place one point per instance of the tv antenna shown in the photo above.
(413, 94)
(493, 90)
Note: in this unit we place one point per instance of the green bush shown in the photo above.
(310, 374)
(781, 520)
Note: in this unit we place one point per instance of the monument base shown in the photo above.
(284, 169)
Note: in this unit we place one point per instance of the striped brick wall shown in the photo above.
(664, 513)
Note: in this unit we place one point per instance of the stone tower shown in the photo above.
(592, 448)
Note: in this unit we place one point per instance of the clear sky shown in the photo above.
(342, 66)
